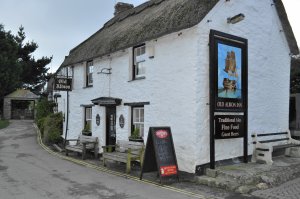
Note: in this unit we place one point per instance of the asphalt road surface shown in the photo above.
(27, 171)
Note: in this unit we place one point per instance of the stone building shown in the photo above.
(19, 105)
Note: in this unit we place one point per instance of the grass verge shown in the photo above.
(4, 124)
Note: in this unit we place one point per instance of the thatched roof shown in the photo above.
(151, 20)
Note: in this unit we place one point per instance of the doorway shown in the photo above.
(22, 109)
(110, 125)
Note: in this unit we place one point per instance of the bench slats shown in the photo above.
(269, 134)
(129, 144)
(120, 157)
(285, 146)
(90, 143)
(265, 144)
(274, 140)
(121, 153)
(83, 138)
(260, 149)
(74, 148)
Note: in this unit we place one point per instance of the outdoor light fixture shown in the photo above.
(235, 19)
(106, 71)
(295, 56)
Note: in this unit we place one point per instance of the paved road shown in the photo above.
(27, 171)
(288, 190)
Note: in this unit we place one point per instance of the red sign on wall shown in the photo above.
(168, 170)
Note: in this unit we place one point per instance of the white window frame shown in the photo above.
(89, 73)
(139, 58)
(137, 120)
(88, 116)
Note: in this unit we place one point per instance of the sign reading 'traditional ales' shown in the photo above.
(229, 126)
(160, 153)
(63, 84)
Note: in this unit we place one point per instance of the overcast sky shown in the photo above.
(57, 26)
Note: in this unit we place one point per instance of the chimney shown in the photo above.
(121, 7)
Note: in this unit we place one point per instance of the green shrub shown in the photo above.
(43, 108)
(87, 130)
(135, 134)
(49, 123)
(40, 124)
(4, 124)
(53, 128)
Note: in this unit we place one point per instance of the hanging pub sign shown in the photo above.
(228, 89)
(229, 75)
(62, 84)
(160, 154)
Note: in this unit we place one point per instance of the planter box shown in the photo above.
(87, 133)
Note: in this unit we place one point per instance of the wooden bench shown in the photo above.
(125, 151)
(265, 143)
(83, 145)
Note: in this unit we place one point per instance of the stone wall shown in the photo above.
(7, 108)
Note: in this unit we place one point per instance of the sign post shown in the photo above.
(64, 83)
(228, 90)
(160, 154)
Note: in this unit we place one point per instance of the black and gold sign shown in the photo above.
(63, 84)
(228, 90)
(229, 126)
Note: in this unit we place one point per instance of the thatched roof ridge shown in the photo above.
(148, 21)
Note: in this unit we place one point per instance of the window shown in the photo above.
(139, 57)
(138, 120)
(89, 73)
(70, 72)
(65, 72)
(88, 118)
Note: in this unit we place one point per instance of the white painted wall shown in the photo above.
(177, 83)
(268, 73)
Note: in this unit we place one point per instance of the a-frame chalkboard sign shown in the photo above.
(160, 154)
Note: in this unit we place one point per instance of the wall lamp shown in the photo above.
(106, 71)
(235, 19)
(295, 56)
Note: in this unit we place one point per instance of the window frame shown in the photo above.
(134, 64)
(89, 70)
(133, 123)
(85, 117)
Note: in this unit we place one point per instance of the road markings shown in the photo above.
(116, 173)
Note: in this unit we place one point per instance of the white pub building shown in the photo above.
(150, 66)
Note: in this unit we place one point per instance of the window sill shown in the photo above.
(138, 78)
(91, 86)
(136, 139)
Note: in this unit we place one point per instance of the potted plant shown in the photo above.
(135, 136)
(87, 130)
